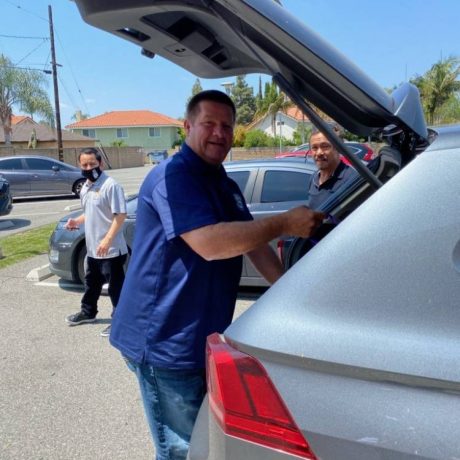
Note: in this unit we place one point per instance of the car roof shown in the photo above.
(272, 163)
(42, 157)
(236, 37)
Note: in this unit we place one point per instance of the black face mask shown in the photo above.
(91, 174)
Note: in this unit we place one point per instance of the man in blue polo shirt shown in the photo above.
(192, 228)
(332, 171)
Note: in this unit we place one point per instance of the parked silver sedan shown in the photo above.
(269, 186)
(354, 353)
(34, 175)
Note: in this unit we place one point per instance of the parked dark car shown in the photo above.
(269, 186)
(353, 353)
(6, 200)
(34, 175)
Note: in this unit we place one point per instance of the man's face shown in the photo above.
(210, 131)
(325, 155)
(88, 161)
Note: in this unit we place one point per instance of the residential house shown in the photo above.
(27, 133)
(136, 128)
(283, 124)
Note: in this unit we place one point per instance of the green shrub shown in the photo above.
(257, 138)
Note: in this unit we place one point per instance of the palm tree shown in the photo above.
(23, 88)
(274, 101)
(438, 86)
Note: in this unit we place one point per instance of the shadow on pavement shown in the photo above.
(12, 224)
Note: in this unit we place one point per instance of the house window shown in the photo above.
(89, 133)
(122, 132)
(154, 132)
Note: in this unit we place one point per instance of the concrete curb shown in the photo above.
(72, 207)
(39, 274)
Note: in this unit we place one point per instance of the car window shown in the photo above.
(11, 163)
(39, 164)
(284, 186)
(240, 177)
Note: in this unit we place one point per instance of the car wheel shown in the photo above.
(81, 265)
(300, 246)
(76, 189)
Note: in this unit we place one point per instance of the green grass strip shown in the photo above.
(21, 246)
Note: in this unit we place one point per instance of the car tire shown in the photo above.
(81, 265)
(76, 189)
(300, 246)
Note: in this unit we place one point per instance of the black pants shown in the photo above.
(99, 272)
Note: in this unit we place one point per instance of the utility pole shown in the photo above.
(56, 91)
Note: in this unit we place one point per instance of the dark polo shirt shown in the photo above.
(172, 298)
(319, 193)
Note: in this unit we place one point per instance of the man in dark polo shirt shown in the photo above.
(192, 228)
(332, 172)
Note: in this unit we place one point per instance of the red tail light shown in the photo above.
(245, 402)
(280, 248)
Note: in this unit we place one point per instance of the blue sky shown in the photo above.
(390, 40)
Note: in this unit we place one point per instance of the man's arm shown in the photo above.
(104, 245)
(230, 239)
(267, 263)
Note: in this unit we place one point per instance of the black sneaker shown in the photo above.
(106, 332)
(79, 318)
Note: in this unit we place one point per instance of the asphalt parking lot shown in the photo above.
(65, 393)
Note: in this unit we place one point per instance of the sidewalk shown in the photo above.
(65, 393)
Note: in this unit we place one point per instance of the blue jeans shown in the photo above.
(171, 401)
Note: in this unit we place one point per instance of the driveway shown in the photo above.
(65, 393)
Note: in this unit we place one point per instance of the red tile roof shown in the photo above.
(126, 118)
(22, 127)
(296, 113)
(15, 119)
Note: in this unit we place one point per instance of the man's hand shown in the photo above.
(104, 246)
(302, 221)
(72, 224)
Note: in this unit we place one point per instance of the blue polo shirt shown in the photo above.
(172, 298)
(319, 193)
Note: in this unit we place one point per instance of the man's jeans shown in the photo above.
(171, 401)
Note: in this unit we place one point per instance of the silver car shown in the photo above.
(269, 186)
(354, 353)
(34, 175)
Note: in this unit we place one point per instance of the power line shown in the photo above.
(72, 72)
(28, 68)
(19, 7)
(27, 55)
(23, 36)
(67, 92)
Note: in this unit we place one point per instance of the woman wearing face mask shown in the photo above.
(104, 211)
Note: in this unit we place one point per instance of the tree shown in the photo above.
(243, 97)
(78, 115)
(438, 86)
(24, 89)
(274, 101)
(196, 88)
